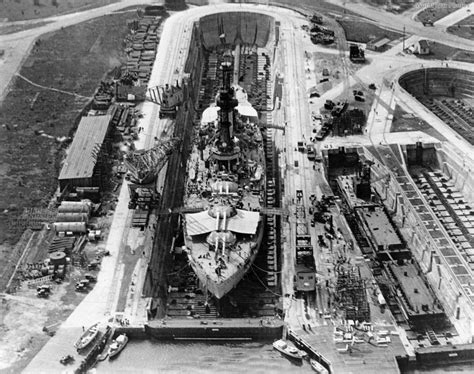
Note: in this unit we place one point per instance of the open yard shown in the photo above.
(330, 64)
(440, 10)
(403, 121)
(313, 6)
(395, 6)
(363, 32)
(26, 321)
(464, 28)
(74, 60)
(15, 10)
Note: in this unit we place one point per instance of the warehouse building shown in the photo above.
(86, 155)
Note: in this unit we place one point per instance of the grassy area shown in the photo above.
(435, 12)
(363, 32)
(464, 28)
(394, 6)
(73, 59)
(311, 6)
(16, 10)
(404, 121)
(440, 51)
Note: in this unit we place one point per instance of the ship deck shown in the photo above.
(208, 262)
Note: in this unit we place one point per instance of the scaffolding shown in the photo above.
(351, 295)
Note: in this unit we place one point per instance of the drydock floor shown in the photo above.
(317, 319)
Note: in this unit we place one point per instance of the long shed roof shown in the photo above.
(81, 157)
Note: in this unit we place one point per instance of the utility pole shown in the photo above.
(403, 38)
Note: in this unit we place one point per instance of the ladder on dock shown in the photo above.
(432, 337)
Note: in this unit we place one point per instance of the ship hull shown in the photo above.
(223, 286)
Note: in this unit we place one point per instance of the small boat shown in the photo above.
(117, 345)
(288, 351)
(87, 337)
(317, 367)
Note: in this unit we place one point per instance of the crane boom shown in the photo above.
(144, 165)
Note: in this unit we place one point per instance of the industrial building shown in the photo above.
(86, 155)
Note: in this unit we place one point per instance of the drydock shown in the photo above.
(342, 235)
(249, 47)
(366, 258)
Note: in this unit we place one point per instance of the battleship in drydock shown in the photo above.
(225, 180)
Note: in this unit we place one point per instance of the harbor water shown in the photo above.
(201, 358)
(148, 356)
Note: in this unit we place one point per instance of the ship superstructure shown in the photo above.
(225, 180)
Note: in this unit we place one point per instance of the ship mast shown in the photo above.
(226, 101)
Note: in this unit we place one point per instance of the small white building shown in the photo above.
(422, 47)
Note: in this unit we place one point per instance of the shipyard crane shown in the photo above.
(144, 165)
(168, 97)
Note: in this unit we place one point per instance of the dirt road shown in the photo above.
(17, 46)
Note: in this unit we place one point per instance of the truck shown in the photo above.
(339, 109)
(317, 19)
(356, 54)
(311, 152)
(301, 146)
(321, 133)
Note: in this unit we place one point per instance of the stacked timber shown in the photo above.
(141, 46)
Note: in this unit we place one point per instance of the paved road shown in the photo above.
(456, 16)
(97, 304)
(399, 21)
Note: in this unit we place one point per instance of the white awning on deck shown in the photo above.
(244, 222)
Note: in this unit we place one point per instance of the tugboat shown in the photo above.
(87, 337)
(288, 351)
(226, 173)
(117, 346)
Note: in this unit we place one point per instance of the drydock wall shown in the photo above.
(173, 192)
(236, 28)
(458, 169)
(439, 82)
(423, 247)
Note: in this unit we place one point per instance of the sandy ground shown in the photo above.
(23, 317)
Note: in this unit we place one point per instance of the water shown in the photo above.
(149, 356)
(451, 369)
(199, 358)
